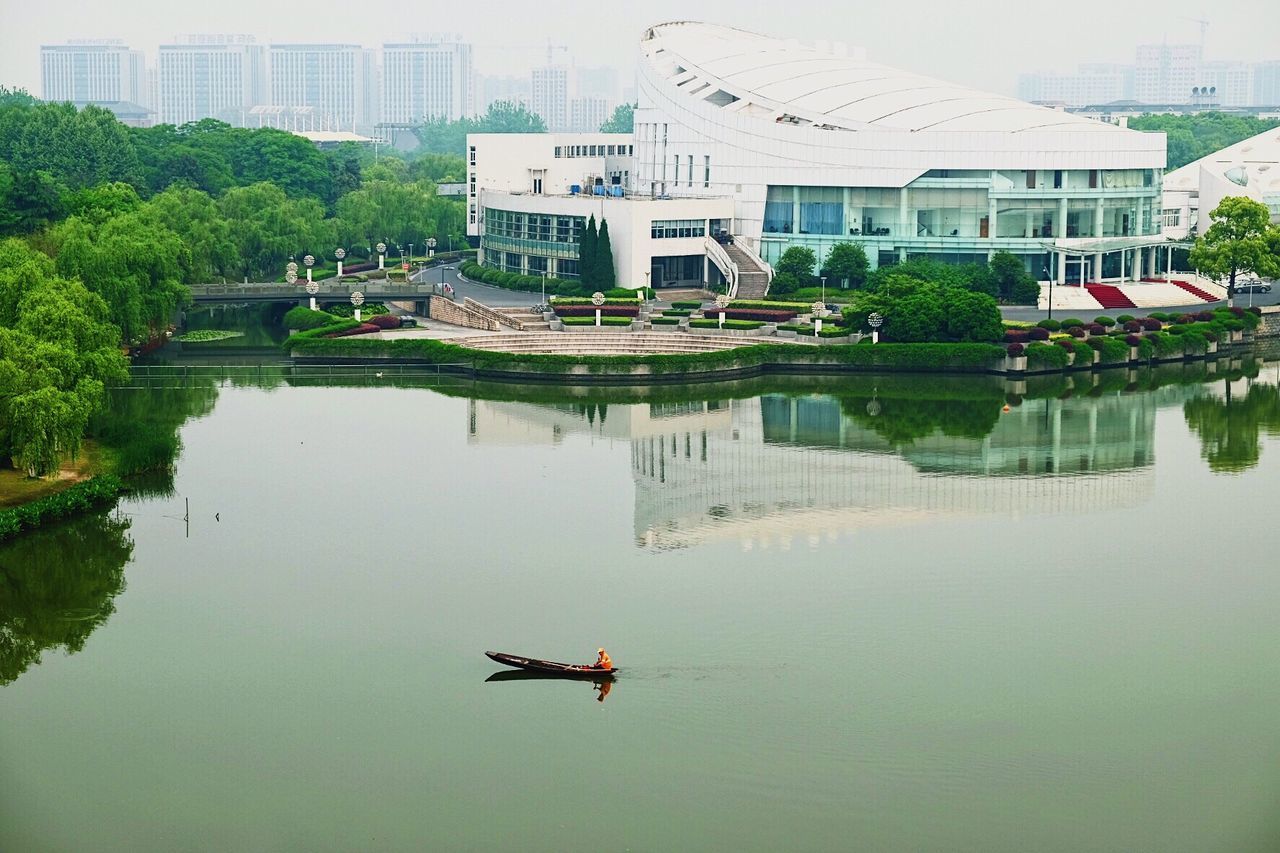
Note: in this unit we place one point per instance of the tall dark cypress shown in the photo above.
(604, 259)
(588, 249)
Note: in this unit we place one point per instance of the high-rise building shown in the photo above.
(550, 96)
(513, 89)
(1266, 84)
(599, 82)
(1166, 73)
(1233, 82)
(99, 71)
(209, 76)
(427, 80)
(1094, 83)
(330, 78)
(587, 113)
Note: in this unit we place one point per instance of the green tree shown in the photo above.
(204, 231)
(28, 200)
(100, 203)
(588, 251)
(439, 136)
(606, 277)
(269, 227)
(1238, 242)
(847, 264)
(797, 261)
(622, 120)
(1190, 137)
(917, 311)
(1014, 285)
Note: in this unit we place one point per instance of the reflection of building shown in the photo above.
(767, 469)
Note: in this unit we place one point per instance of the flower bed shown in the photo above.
(761, 314)
(353, 329)
(770, 305)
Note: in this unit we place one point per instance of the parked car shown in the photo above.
(1252, 285)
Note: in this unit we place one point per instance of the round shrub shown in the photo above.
(1017, 349)
(1038, 334)
(1176, 329)
(1151, 324)
(1016, 336)
(1104, 320)
(1125, 318)
(1132, 326)
(1096, 329)
(1186, 318)
(385, 321)
(1133, 340)
(1204, 316)
(1158, 315)
(1255, 311)
(1076, 331)
(1049, 325)
(1236, 311)
(1066, 344)
(1068, 322)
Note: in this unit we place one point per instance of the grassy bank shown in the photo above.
(78, 498)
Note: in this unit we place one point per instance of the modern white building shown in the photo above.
(813, 147)
(1250, 168)
(92, 72)
(332, 79)
(432, 80)
(588, 112)
(1166, 73)
(210, 75)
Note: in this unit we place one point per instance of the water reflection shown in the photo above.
(600, 685)
(57, 584)
(1229, 426)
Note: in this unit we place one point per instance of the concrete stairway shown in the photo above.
(524, 319)
(753, 282)
(605, 343)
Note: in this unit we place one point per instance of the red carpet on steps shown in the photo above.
(1108, 296)
(1188, 287)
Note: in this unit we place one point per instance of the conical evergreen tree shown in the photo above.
(604, 259)
(587, 251)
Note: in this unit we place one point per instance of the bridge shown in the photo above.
(377, 290)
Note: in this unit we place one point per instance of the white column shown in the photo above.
(1097, 267)
(1062, 267)
(1137, 263)
(1168, 261)
(1098, 217)
(903, 230)
(1060, 227)
(1151, 262)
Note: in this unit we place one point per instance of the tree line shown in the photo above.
(1191, 137)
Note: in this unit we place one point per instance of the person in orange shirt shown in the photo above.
(603, 661)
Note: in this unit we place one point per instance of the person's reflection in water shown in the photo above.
(604, 687)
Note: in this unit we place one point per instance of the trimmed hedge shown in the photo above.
(1046, 356)
(755, 314)
(516, 281)
(610, 320)
(577, 301)
(770, 305)
(352, 328)
(707, 323)
(303, 318)
(692, 305)
(677, 312)
(385, 321)
(906, 356)
(80, 497)
(590, 310)
(665, 321)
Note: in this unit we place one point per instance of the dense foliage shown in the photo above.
(925, 311)
(1191, 137)
(1239, 240)
(622, 120)
(69, 501)
(440, 136)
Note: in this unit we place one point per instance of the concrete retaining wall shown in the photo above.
(447, 311)
(1270, 327)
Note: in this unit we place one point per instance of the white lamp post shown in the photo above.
(309, 260)
(543, 303)
(312, 290)
(824, 290)
(382, 255)
(819, 308)
(357, 299)
(722, 302)
(431, 247)
(597, 299)
(340, 254)
(875, 320)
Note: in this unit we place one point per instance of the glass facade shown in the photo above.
(524, 242)
(966, 213)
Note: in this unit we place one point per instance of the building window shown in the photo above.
(664, 229)
(706, 171)
(473, 155)
(558, 150)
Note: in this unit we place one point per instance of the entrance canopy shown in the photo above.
(1097, 246)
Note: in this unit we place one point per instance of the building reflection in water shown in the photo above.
(776, 470)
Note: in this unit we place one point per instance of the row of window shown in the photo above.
(667, 228)
(532, 226)
(563, 151)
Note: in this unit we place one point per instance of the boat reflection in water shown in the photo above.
(601, 684)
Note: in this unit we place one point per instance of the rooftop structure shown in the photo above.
(1250, 168)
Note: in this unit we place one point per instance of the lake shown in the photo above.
(872, 613)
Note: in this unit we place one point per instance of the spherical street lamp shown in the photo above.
(875, 320)
(312, 290)
(382, 254)
(722, 302)
(291, 277)
(292, 267)
(819, 310)
(431, 247)
(597, 299)
(357, 299)
(339, 254)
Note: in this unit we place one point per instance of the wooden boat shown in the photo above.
(564, 670)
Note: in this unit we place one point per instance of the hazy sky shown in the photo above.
(982, 42)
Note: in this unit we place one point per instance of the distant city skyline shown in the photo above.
(929, 36)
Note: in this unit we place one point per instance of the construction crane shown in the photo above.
(550, 48)
(1204, 29)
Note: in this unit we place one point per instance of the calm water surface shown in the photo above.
(854, 614)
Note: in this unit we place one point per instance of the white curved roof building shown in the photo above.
(817, 147)
(1250, 168)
